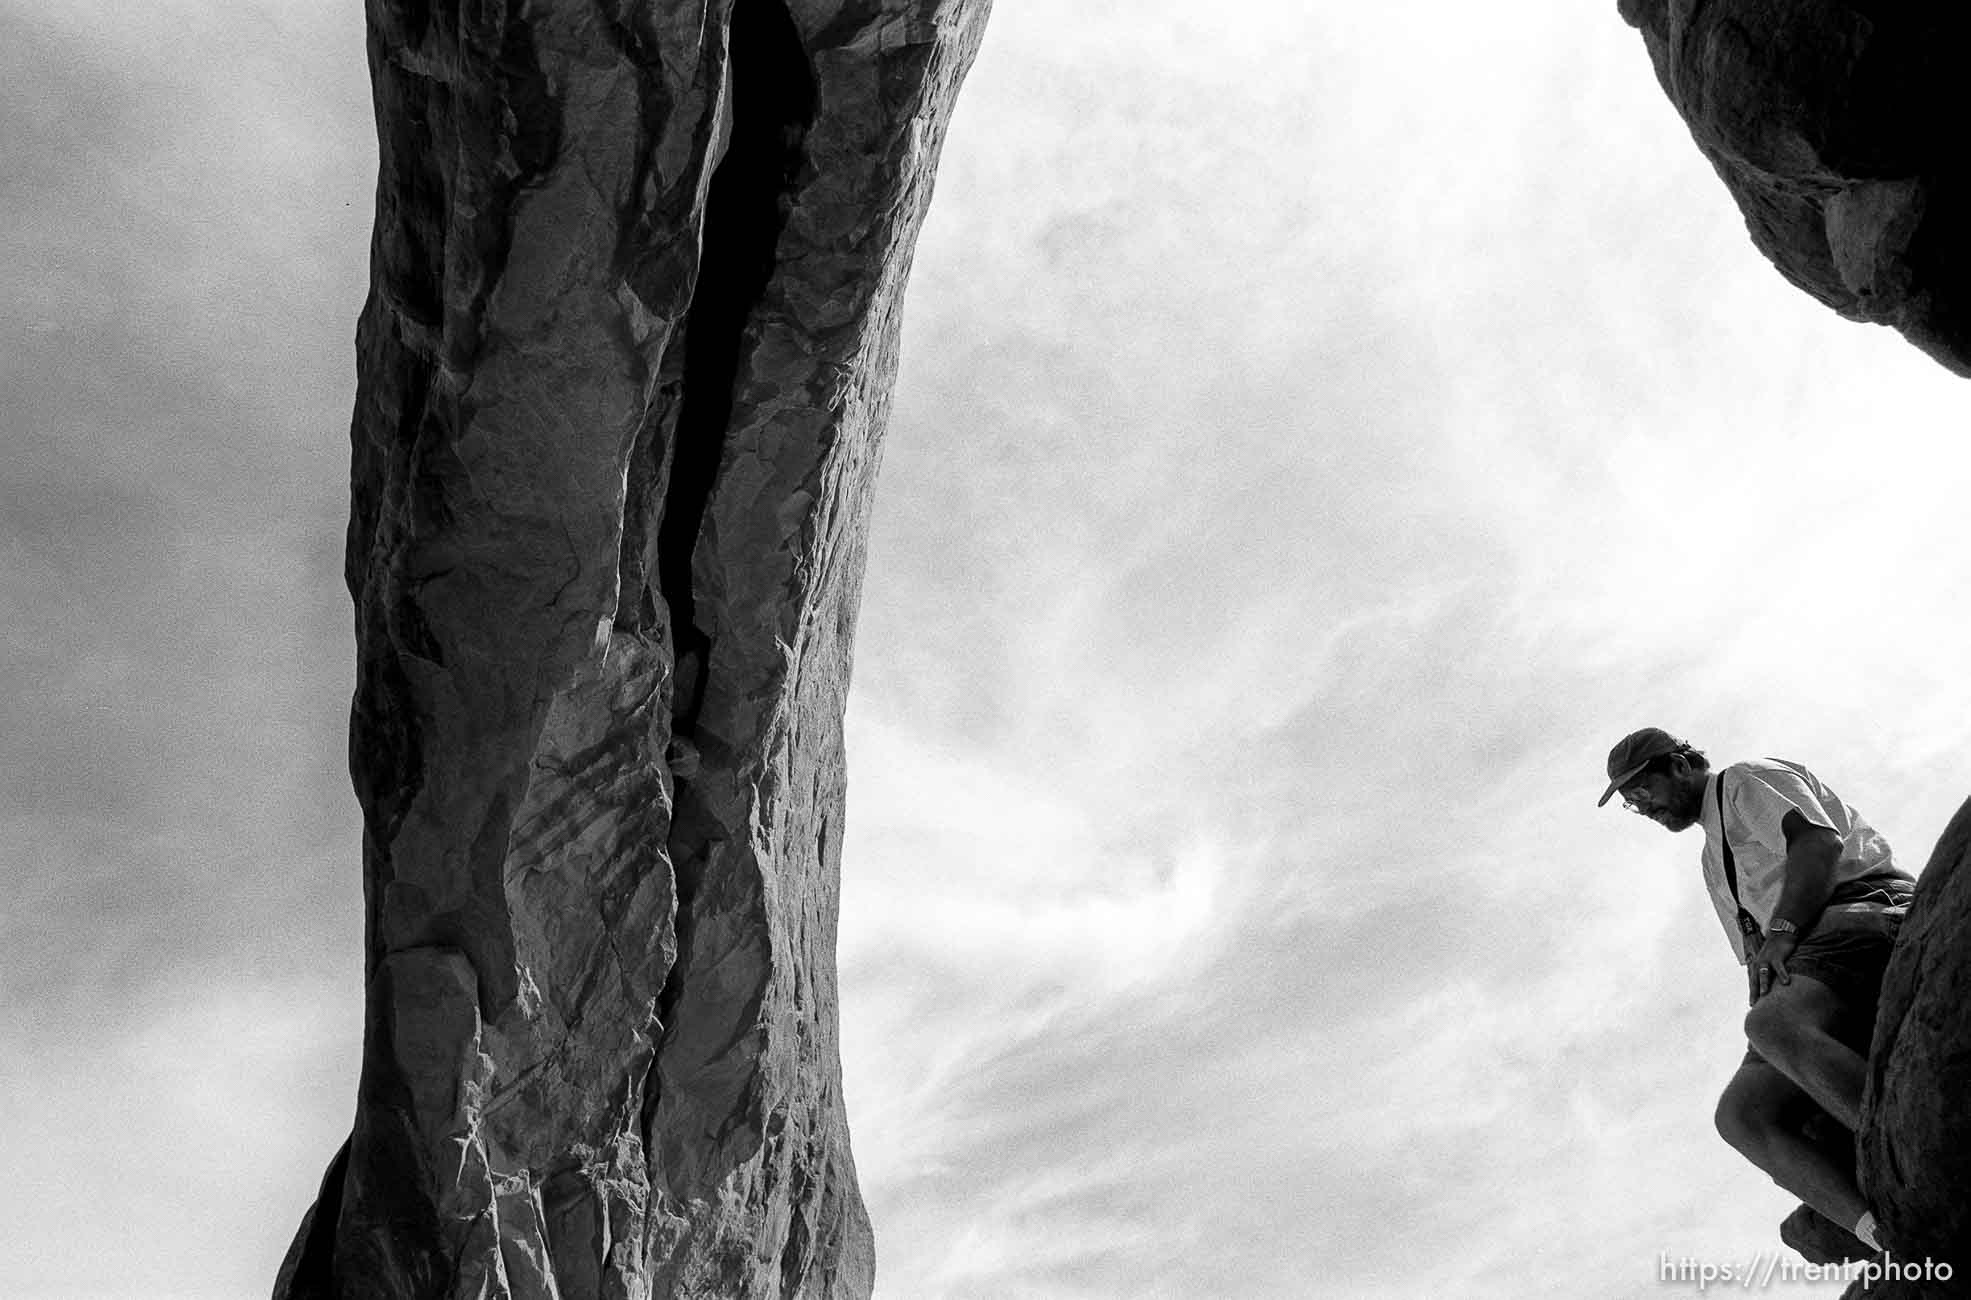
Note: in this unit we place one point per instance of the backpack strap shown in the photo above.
(1747, 926)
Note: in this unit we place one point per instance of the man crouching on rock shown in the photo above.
(1810, 899)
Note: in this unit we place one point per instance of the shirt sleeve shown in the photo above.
(1761, 799)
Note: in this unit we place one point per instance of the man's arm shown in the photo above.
(1812, 853)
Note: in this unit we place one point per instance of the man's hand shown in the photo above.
(1767, 965)
(1812, 854)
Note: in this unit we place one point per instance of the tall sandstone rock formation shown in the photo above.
(623, 378)
(1837, 128)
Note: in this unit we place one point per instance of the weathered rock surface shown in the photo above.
(623, 379)
(1837, 128)
(1915, 1142)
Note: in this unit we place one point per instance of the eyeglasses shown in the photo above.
(1634, 802)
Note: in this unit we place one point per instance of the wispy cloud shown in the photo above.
(1344, 461)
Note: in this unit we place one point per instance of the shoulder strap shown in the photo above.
(1746, 923)
(1724, 838)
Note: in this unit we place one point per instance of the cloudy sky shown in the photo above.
(1318, 439)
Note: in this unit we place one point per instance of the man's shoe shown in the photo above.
(1820, 1240)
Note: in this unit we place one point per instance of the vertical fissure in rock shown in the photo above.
(772, 105)
(797, 1255)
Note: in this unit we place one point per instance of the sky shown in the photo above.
(1319, 437)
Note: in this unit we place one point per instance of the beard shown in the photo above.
(1675, 819)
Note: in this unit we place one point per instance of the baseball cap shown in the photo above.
(1633, 753)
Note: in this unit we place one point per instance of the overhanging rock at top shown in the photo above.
(1838, 129)
(623, 377)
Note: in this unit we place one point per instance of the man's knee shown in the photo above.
(1744, 1122)
(1758, 1104)
(1777, 1028)
(1769, 1029)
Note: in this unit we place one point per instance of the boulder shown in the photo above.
(1914, 1148)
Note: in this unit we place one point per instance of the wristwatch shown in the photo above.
(1780, 925)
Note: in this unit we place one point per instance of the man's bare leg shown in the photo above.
(1759, 1116)
(1792, 1027)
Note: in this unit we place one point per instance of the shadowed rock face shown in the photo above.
(1837, 127)
(623, 378)
(1915, 1141)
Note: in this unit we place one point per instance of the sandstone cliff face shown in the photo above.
(623, 378)
(1836, 127)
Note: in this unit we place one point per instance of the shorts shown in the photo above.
(1847, 951)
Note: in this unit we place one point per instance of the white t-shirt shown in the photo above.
(1758, 795)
